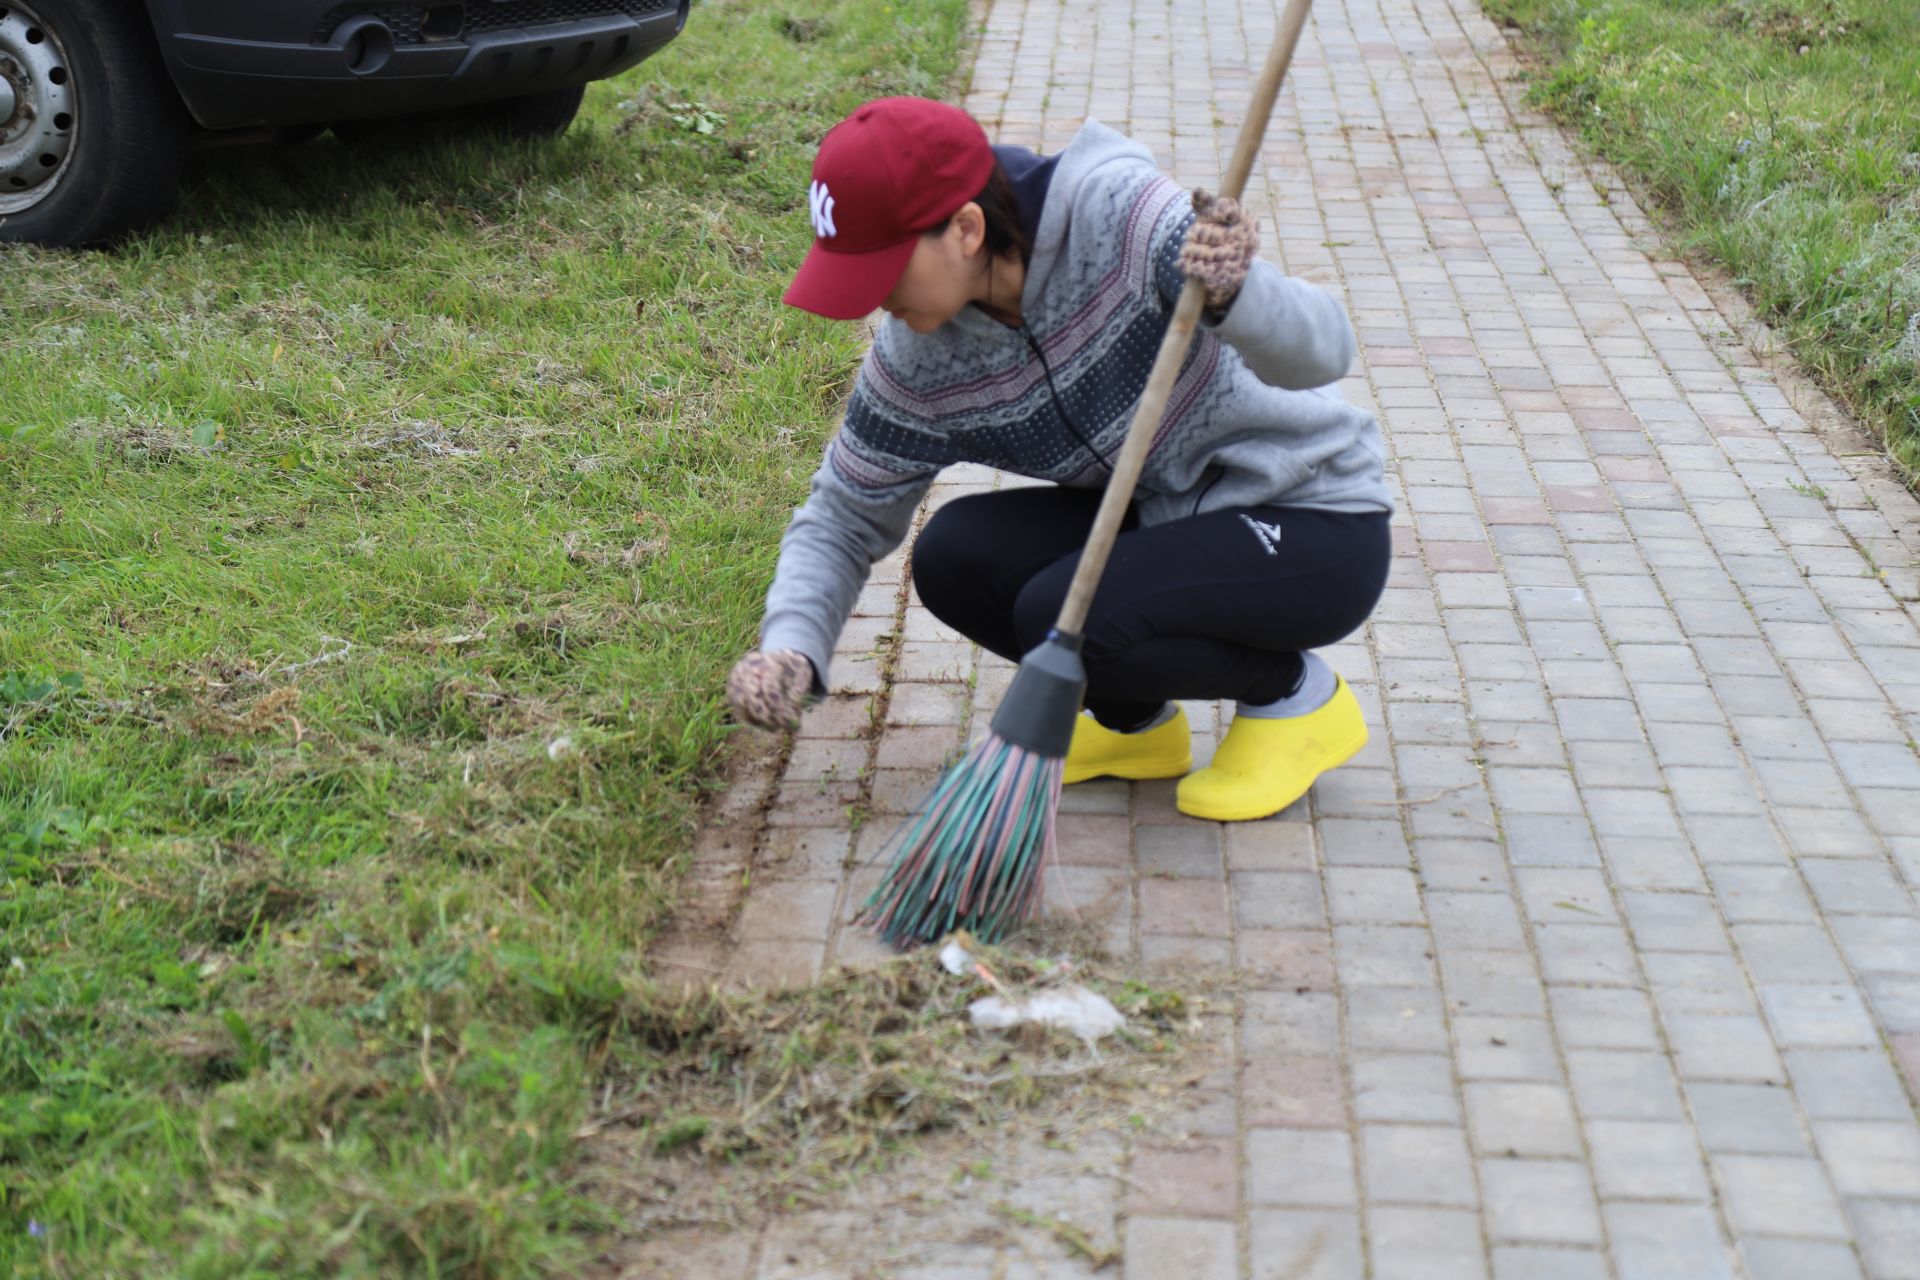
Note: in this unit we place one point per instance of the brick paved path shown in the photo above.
(1603, 959)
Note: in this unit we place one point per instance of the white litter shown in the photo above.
(559, 747)
(1087, 1014)
(955, 959)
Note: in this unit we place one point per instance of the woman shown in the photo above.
(1026, 297)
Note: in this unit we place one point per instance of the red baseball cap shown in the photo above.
(893, 169)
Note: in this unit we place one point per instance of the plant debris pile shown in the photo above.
(738, 1098)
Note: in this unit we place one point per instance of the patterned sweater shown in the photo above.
(1253, 419)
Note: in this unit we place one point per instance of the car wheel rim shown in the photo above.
(38, 120)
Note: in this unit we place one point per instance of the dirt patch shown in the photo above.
(729, 1107)
(1799, 24)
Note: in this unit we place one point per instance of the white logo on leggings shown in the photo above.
(1269, 534)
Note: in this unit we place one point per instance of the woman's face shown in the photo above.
(939, 280)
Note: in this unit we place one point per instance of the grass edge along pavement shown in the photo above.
(1778, 138)
(377, 534)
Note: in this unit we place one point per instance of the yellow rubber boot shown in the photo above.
(1164, 751)
(1263, 766)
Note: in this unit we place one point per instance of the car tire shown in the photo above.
(116, 134)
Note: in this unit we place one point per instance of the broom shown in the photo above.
(974, 855)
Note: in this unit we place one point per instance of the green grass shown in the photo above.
(1783, 136)
(376, 536)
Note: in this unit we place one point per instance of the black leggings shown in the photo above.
(1219, 605)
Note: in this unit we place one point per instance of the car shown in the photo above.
(100, 99)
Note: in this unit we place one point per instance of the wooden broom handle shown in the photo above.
(1179, 336)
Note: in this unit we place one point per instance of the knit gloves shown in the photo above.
(1220, 248)
(768, 689)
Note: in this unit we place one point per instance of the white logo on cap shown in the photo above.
(822, 205)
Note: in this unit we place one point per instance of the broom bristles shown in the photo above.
(974, 856)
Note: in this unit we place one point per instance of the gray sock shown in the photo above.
(1316, 688)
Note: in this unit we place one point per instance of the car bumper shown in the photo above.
(375, 63)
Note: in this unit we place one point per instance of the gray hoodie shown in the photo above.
(1253, 420)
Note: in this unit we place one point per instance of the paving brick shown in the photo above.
(1270, 846)
(1763, 895)
(1724, 1047)
(1157, 1247)
(1534, 1262)
(1522, 1119)
(1196, 907)
(1735, 838)
(1667, 1242)
(1483, 921)
(1871, 1158)
(1539, 1201)
(1752, 1119)
(1624, 764)
(1411, 1087)
(1301, 1091)
(1675, 922)
(1297, 958)
(1531, 791)
(1776, 1259)
(1888, 944)
(1603, 1018)
(1417, 1164)
(819, 803)
(1591, 954)
(1789, 953)
(1425, 1243)
(1373, 842)
(1857, 886)
(1201, 1180)
(1613, 1084)
(1647, 1160)
(803, 853)
(1290, 1023)
(1818, 1015)
(1301, 1167)
(1490, 1048)
(790, 911)
(1183, 955)
(1847, 1084)
(1384, 955)
(1889, 1237)
(1277, 900)
(1472, 865)
(1378, 895)
(1550, 840)
(1895, 998)
(1192, 852)
(837, 717)
(1299, 1244)
(1404, 1019)
(1637, 862)
(1778, 1195)
(814, 758)
(928, 704)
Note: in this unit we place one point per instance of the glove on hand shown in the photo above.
(768, 689)
(1220, 248)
